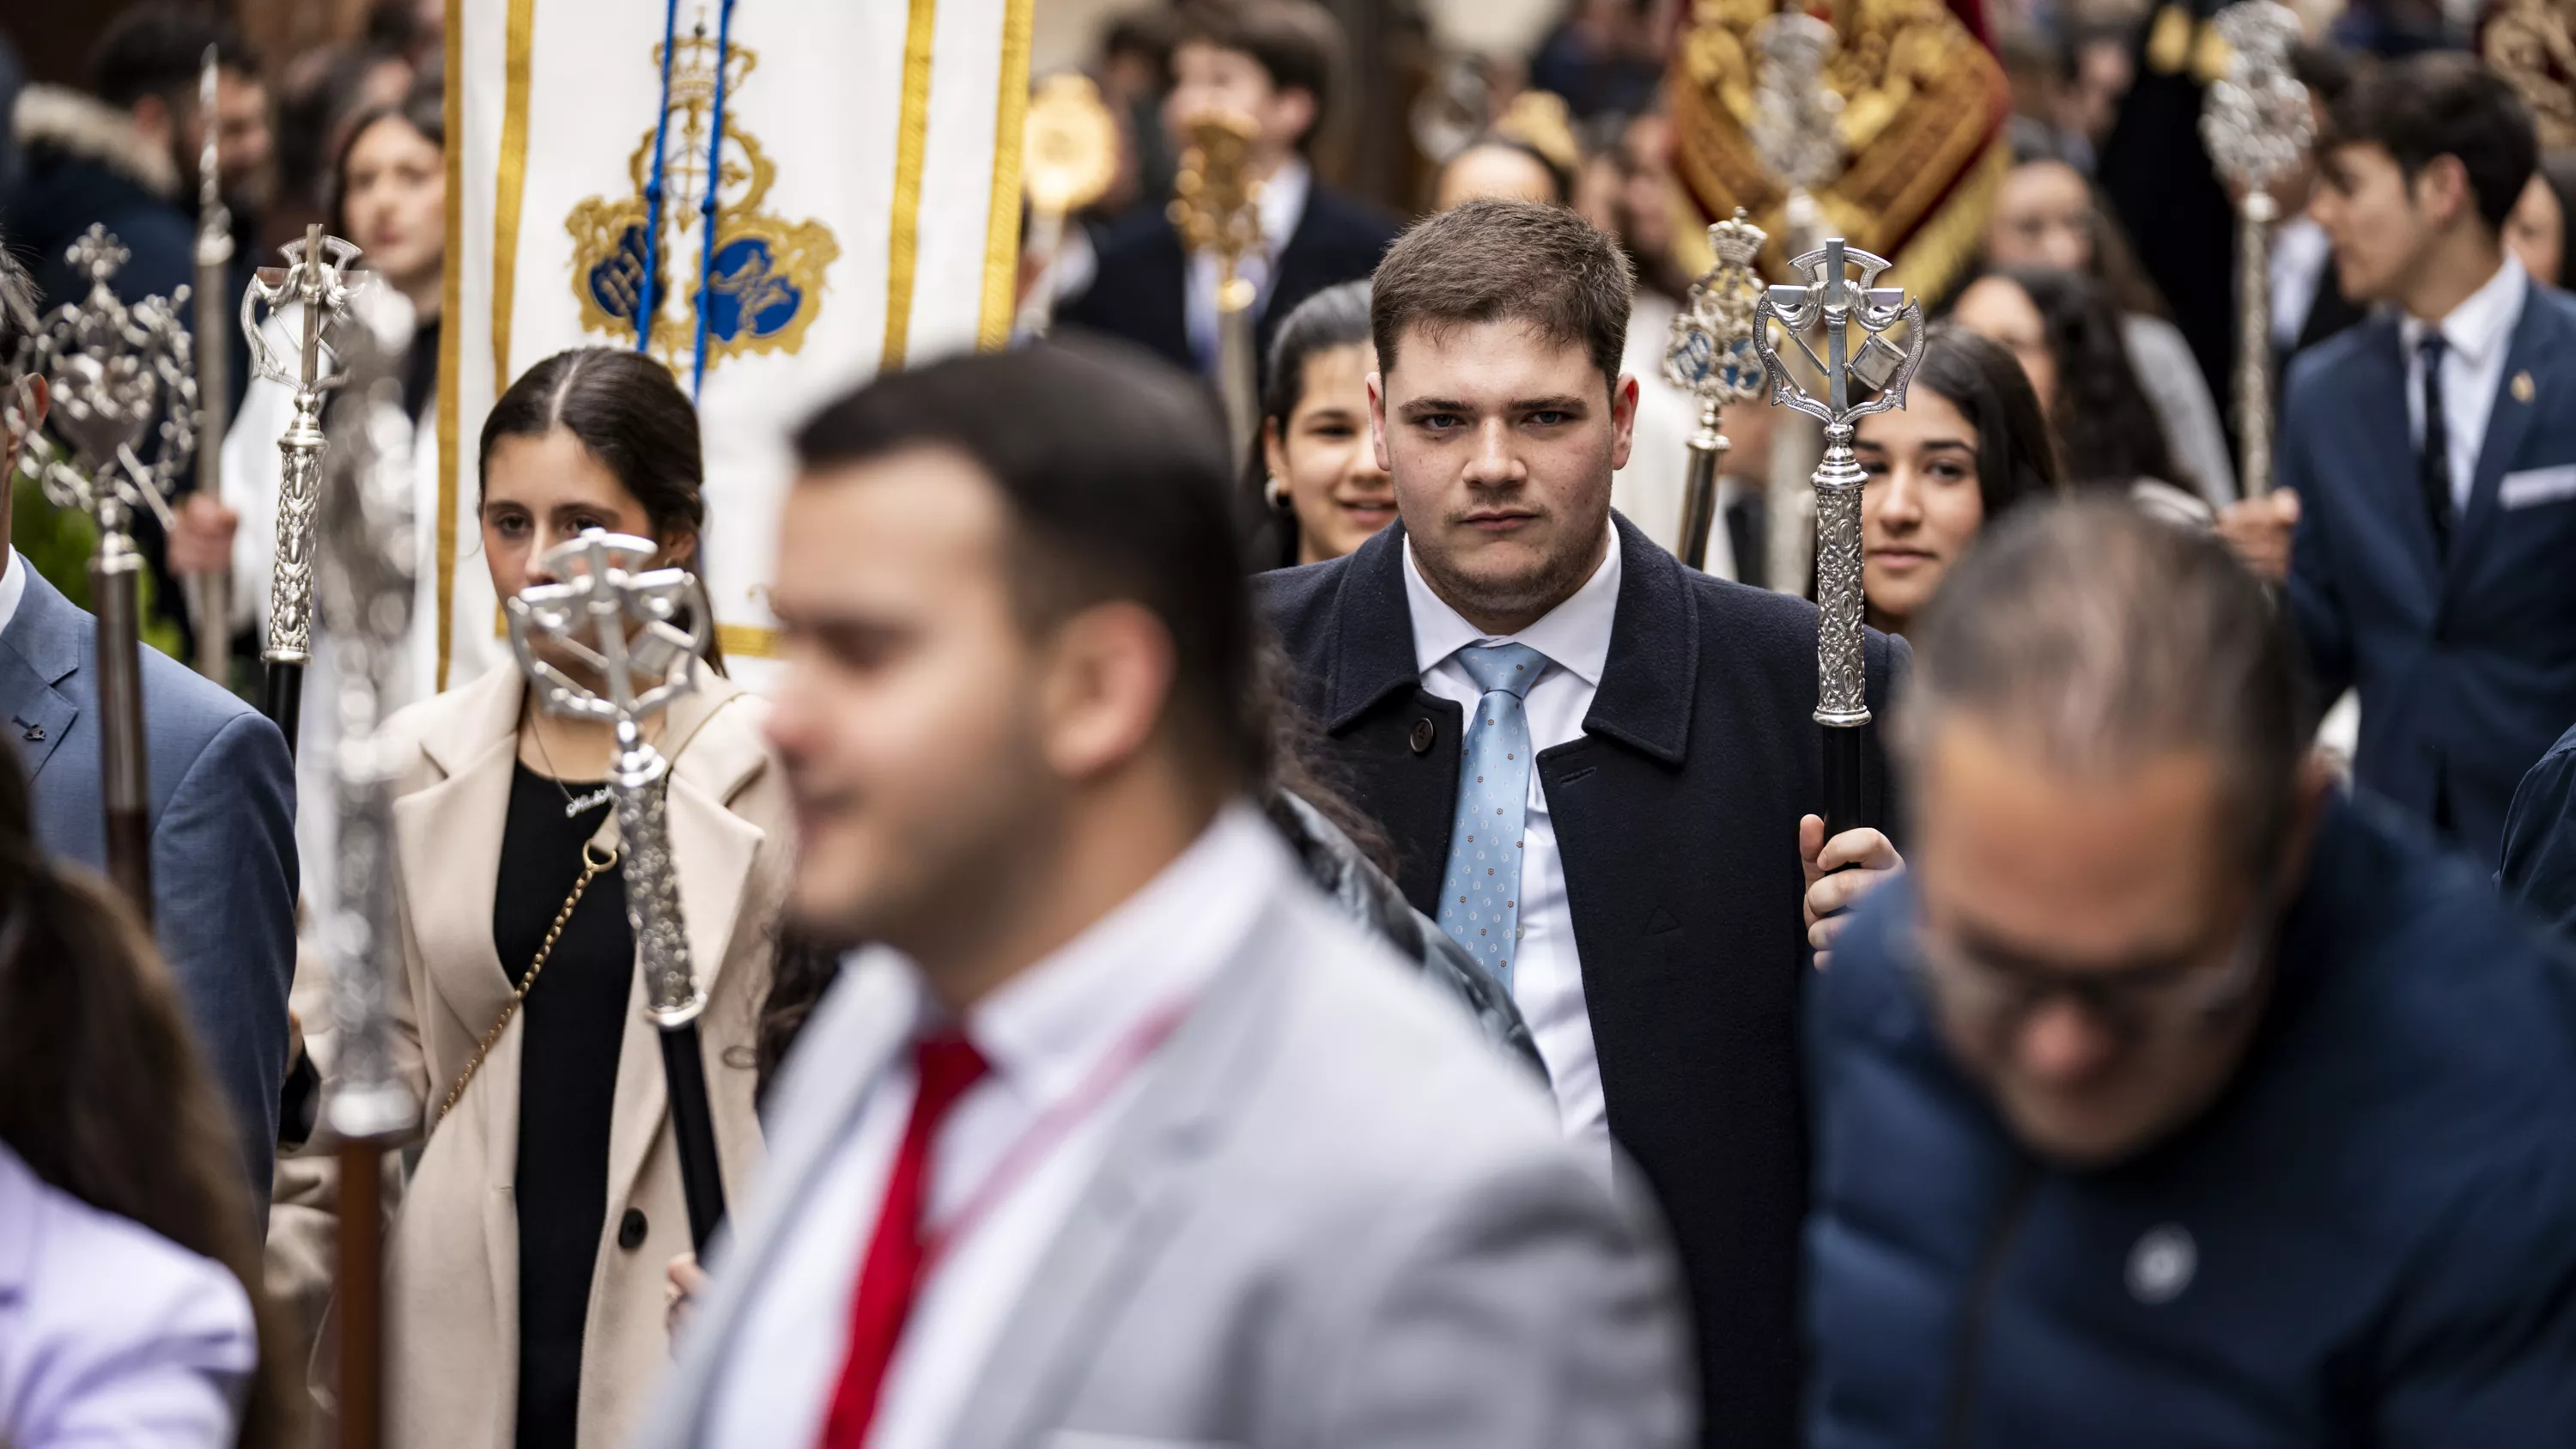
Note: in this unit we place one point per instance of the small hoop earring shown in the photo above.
(1277, 492)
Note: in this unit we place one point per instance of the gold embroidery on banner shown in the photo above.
(912, 140)
(2528, 42)
(510, 182)
(1923, 102)
(1002, 222)
(766, 282)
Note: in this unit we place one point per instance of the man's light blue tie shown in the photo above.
(1480, 896)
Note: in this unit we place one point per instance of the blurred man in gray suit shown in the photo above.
(222, 806)
(1118, 1135)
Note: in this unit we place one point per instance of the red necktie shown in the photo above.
(890, 1274)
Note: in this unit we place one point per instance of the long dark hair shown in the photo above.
(2106, 426)
(2015, 460)
(1333, 317)
(101, 1093)
(423, 109)
(628, 413)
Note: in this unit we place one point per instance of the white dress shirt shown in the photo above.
(2476, 336)
(1547, 977)
(1282, 204)
(13, 586)
(2301, 252)
(1045, 1034)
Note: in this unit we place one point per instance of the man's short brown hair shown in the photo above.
(1506, 261)
(1296, 41)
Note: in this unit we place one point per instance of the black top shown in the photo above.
(573, 1021)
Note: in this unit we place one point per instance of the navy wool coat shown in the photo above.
(1677, 816)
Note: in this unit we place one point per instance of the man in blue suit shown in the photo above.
(222, 805)
(2428, 457)
(2172, 1097)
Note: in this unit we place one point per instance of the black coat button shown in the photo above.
(630, 1229)
(1424, 732)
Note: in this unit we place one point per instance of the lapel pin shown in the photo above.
(35, 733)
(2522, 388)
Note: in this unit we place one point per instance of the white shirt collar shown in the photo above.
(2482, 323)
(13, 587)
(1045, 1029)
(1575, 635)
(1282, 203)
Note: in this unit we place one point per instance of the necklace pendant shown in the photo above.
(578, 803)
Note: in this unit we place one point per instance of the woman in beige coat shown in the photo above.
(526, 1261)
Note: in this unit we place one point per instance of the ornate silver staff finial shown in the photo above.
(367, 569)
(1794, 114)
(1711, 355)
(317, 276)
(616, 619)
(2258, 126)
(121, 382)
(121, 388)
(1832, 300)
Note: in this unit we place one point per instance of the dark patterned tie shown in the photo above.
(2433, 465)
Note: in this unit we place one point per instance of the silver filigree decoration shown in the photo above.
(317, 278)
(123, 423)
(1836, 297)
(619, 623)
(2258, 126)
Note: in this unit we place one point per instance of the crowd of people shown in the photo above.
(1332, 938)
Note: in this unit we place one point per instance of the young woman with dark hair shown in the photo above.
(1313, 466)
(528, 1256)
(2061, 327)
(2046, 214)
(2536, 229)
(1969, 446)
(131, 1304)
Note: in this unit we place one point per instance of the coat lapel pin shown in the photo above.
(2522, 388)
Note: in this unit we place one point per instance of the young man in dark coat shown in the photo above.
(1271, 60)
(1592, 761)
(2173, 1098)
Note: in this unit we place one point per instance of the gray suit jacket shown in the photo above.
(1333, 1217)
(223, 837)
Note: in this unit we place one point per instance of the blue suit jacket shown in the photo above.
(223, 837)
(2466, 672)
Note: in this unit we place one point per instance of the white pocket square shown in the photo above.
(2537, 485)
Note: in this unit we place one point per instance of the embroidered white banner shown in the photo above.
(867, 199)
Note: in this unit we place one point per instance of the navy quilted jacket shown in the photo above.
(2370, 1239)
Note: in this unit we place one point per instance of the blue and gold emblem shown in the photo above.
(765, 279)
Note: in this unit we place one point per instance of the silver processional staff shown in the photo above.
(620, 621)
(2257, 125)
(317, 277)
(1711, 355)
(123, 425)
(1835, 298)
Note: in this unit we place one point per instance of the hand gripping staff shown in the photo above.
(618, 620)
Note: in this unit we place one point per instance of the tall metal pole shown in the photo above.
(316, 277)
(1831, 301)
(122, 393)
(617, 620)
(1710, 355)
(2257, 125)
(1794, 134)
(209, 595)
(364, 592)
(1216, 208)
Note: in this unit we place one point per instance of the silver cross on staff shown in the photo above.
(317, 276)
(618, 620)
(2257, 125)
(1836, 297)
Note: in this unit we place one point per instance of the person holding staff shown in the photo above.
(526, 1267)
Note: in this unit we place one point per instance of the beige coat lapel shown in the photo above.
(449, 837)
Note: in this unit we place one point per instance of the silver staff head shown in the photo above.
(2256, 121)
(619, 619)
(1711, 353)
(1794, 113)
(122, 385)
(1836, 295)
(318, 275)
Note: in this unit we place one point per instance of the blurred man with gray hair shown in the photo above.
(2174, 1098)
